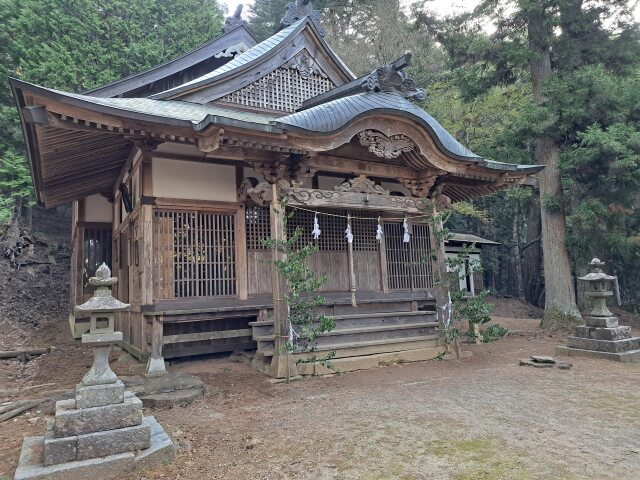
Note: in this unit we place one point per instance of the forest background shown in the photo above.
(555, 82)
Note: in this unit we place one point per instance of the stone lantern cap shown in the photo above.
(103, 301)
(596, 274)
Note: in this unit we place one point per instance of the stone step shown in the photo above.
(611, 346)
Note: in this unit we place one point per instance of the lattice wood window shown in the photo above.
(194, 254)
(333, 229)
(96, 250)
(408, 264)
(258, 224)
(283, 90)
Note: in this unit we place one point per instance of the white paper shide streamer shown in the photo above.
(316, 228)
(348, 233)
(406, 238)
(379, 231)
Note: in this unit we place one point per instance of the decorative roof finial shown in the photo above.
(393, 78)
(233, 21)
(298, 10)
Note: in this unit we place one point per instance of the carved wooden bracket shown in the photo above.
(361, 184)
(261, 194)
(210, 143)
(146, 144)
(300, 171)
(419, 187)
(441, 201)
(272, 170)
(385, 147)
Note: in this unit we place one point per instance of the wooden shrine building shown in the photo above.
(176, 176)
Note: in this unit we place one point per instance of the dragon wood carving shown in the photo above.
(386, 147)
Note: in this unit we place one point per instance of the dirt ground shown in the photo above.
(481, 418)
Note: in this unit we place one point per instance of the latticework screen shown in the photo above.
(194, 254)
(283, 90)
(96, 250)
(408, 264)
(333, 228)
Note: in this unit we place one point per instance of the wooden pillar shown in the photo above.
(384, 276)
(155, 364)
(146, 253)
(352, 271)
(282, 365)
(241, 254)
(440, 277)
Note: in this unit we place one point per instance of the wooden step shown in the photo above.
(367, 329)
(383, 319)
(370, 347)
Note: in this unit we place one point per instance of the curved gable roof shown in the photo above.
(334, 115)
(255, 56)
(239, 34)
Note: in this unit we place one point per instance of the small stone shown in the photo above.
(531, 363)
(251, 444)
(33, 420)
(564, 365)
(542, 359)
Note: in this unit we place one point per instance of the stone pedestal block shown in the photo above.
(616, 333)
(59, 450)
(611, 346)
(70, 421)
(601, 322)
(624, 357)
(111, 442)
(99, 395)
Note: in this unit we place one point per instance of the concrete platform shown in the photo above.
(30, 465)
(624, 357)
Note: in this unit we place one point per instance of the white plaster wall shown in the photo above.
(97, 209)
(193, 180)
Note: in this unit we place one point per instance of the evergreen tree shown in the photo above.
(76, 45)
(578, 56)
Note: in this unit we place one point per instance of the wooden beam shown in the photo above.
(204, 336)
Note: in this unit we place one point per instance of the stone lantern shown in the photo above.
(102, 335)
(101, 433)
(601, 337)
(598, 282)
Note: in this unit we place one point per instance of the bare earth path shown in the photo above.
(483, 418)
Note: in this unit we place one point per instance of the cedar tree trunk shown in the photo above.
(560, 309)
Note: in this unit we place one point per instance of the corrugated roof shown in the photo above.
(469, 238)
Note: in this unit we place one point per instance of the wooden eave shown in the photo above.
(241, 33)
(260, 61)
(78, 145)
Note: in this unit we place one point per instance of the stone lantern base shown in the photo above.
(94, 437)
(602, 337)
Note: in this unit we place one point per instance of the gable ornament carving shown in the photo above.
(386, 147)
(298, 10)
(236, 49)
(361, 184)
(234, 20)
(393, 78)
(305, 65)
